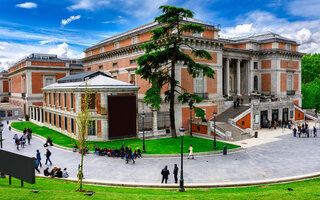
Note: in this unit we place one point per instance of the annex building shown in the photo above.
(262, 69)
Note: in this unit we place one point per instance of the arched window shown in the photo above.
(255, 83)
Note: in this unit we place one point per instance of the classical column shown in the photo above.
(154, 121)
(227, 77)
(250, 81)
(40, 110)
(238, 77)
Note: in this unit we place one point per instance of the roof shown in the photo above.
(94, 80)
(259, 37)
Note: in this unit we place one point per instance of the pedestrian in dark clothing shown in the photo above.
(46, 172)
(17, 141)
(29, 138)
(294, 132)
(36, 165)
(175, 173)
(165, 173)
(39, 157)
(48, 154)
(314, 131)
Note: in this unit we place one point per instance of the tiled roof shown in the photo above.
(80, 77)
(259, 37)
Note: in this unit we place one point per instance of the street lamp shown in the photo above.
(1, 129)
(214, 130)
(181, 189)
(143, 114)
(190, 122)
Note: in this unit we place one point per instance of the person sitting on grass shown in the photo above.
(112, 153)
(65, 173)
(116, 153)
(59, 173)
(48, 142)
(96, 149)
(100, 152)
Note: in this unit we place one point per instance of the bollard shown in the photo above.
(224, 150)
(256, 134)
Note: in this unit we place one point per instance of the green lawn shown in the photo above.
(154, 146)
(58, 189)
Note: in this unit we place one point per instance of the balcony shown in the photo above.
(202, 95)
(291, 92)
(23, 95)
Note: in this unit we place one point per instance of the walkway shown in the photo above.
(277, 155)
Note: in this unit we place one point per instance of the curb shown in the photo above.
(211, 153)
(193, 186)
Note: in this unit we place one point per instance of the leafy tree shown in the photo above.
(311, 94)
(158, 64)
(310, 67)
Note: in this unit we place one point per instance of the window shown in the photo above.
(49, 118)
(92, 101)
(115, 64)
(289, 82)
(65, 100)
(91, 127)
(59, 121)
(89, 68)
(59, 99)
(255, 65)
(71, 100)
(45, 97)
(49, 81)
(54, 120)
(72, 125)
(199, 84)
(90, 53)
(3, 113)
(135, 40)
(255, 83)
(101, 49)
(288, 47)
(45, 117)
(65, 123)
(132, 62)
(116, 45)
(49, 98)
(54, 99)
(100, 67)
(197, 34)
(133, 79)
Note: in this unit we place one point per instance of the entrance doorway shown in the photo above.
(285, 114)
(264, 119)
(275, 115)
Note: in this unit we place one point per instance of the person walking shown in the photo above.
(165, 173)
(28, 138)
(48, 154)
(191, 152)
(294, 132)
(39, 157)
(17, 142)
(314, 131)
(175, 173)
(36, 165)
(23, 141)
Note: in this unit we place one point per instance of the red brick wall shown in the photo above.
(42, 63)
(282, 45)
(212, 84)
(98, 100)
(289, 64)
(16, 84)
(266, 64)
(5, 86)
(37, 82)
(283, 82)
(244, 122)
(267, 46)
(296, 82)
(200, 60)
(208, 34)
(143, 84)
(99, 133)
(266, 82)
(186, 114)
(186, 80)
(62, 123)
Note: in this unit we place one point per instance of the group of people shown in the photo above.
(237, 102)
(56, 172)
(123, 152)
(303, 129)
(21, 141)
(165, 173)
(37, 159)
(277, 123)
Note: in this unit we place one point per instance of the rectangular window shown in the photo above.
(288, 47)
(48, 81)
(65, 123)
(49, 98)
(199, 84)
(197, 34)
(134, 40)
(92, 101)
(90, 53)
(71, 100)
(65, 100)
(116, 45)
(89, 69)
(132, 62)
(101, 49)
(54, 99)
(255, 65)
(115, 64)
(100, 67)
(289, 82)
(50, 118)
(59, 121)
(54, 120)
(72, 125)
(133, 79)
(92, 127)
(3, 113)
(45, 97)
(45, 117)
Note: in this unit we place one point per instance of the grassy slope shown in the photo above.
(57, 189)
(155, 146)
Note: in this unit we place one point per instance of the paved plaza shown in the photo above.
(274, 154)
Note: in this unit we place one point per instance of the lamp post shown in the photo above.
(143, 114)
(214, 130)
(1, 129)
(190, 122)
(181, 189)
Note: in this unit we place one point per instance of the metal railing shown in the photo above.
(291, 92)
(202, 95)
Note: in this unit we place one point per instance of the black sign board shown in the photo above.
(18, 166)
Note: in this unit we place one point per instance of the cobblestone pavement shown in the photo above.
(274, 154)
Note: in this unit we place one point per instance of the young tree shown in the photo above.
(83, 122)
(158, 64)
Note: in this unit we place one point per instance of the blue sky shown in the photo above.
(67, 27)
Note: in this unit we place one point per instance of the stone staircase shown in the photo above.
(223, 125)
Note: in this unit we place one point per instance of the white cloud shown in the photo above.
(119, 20)
(305, 32)
(27, 5)
(88, 4)
(70, 19)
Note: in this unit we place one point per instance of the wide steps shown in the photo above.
(231, 113)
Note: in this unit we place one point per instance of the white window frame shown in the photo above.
(289, 86)
(95, 128)
(101, 49)
(116, 45)
(288, 47)
(196, 81)
(197, 34)
(134, 40)
(90, 53)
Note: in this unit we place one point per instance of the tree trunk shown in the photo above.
(172, 96)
